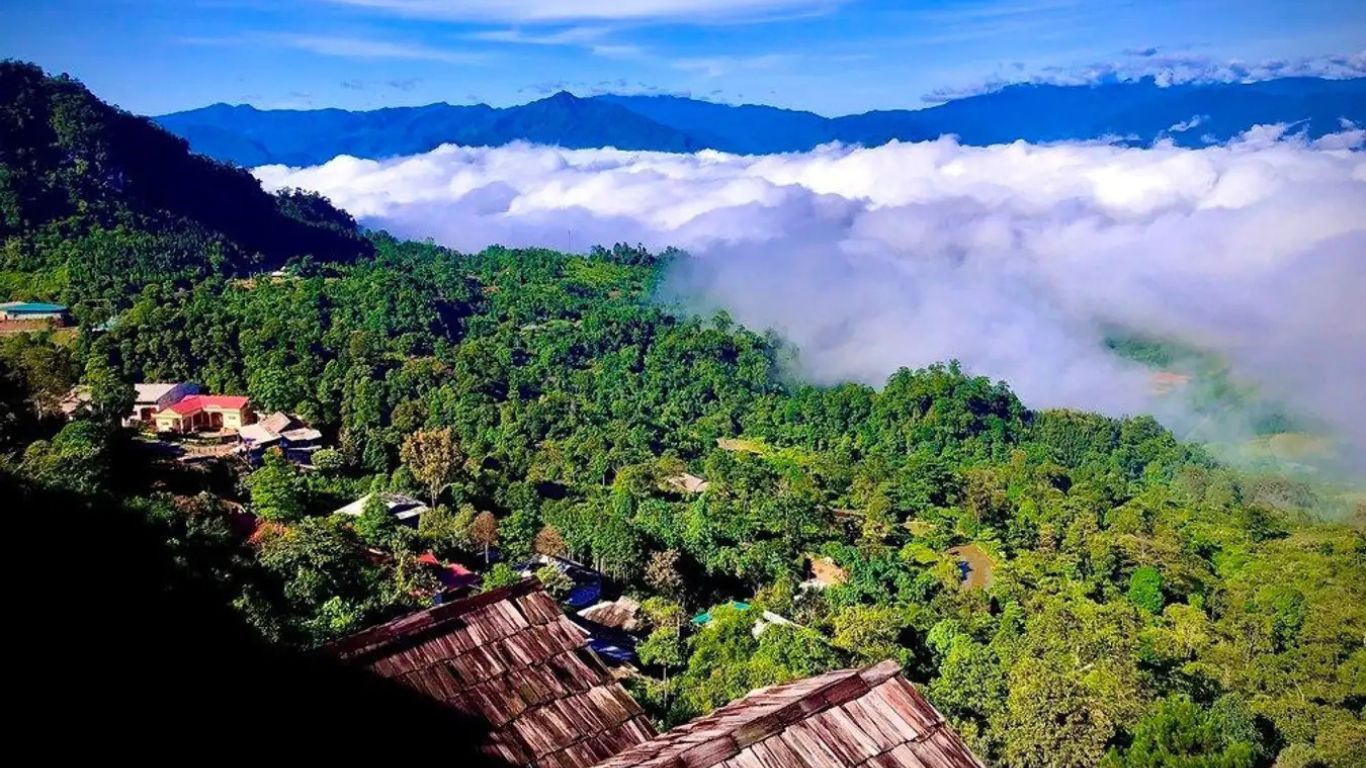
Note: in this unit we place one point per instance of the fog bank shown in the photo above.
(1010, 258)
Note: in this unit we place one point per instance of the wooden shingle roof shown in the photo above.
(512, 659)
(869, 717)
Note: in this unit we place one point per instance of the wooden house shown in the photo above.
(869, 718)
(512, 659)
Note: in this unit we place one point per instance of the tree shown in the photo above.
(328, 585)
(76, 459)
(111, 395)
(329, 460)
(549, 542)
(444, 530)
(662, 573)
(500, 575)
(664, 647)
(554, 580)
(1145, 589)
(434, 458)
(1177, 733)
(484, 532)
(277, 491)
(1051, 720)
(375, 525)
(871, 632)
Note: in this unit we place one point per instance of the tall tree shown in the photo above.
(277, 491)
(434, 458)
(484, 532)
(111, 394)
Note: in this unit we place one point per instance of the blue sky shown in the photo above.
(830, 56)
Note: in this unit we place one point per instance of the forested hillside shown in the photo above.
(1132, 602)
(95, 202)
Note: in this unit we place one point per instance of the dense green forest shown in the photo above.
(1146, 605)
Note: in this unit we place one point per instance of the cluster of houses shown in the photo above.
(179, 408)
(511, 660)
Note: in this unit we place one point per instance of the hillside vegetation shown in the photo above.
(95, 202)
(1146, 606)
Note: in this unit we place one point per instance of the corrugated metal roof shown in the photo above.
(511, 658)
(854, 717)
(39, 307)
(193, 403)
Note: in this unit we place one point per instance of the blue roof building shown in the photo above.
(32, 310)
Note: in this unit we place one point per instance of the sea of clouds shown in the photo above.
(1012, 259)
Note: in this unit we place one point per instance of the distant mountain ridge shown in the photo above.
(1133, 112)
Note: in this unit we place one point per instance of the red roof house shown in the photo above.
(197, 412)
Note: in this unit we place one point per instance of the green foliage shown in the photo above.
(277, 492)
(1179, 734)
(499, 576)
(726, 660)
(554, 580)
(1145, 589)
(329, 587)
(1134, 579)
(111, 394)
(375, 525)
(77, 459)
(329, 460)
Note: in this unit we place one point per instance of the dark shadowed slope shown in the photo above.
(129, 655)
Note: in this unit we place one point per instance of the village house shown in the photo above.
(849, 718)
(511, 659)
(454, 578)
(154, 397)
(586, 583)
(74, 401)
(197, 413)
(281, 430)
(610, 625)
(404, 509)
(33, 314)
(688, 483)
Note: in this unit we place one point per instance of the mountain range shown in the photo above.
(1138, 112)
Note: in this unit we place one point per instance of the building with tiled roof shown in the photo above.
(871, 717)
(511, 658)
(196, 412)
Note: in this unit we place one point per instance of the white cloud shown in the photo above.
(624, 10)
(1165, 69)
(720, 66)
(1185, 125)
(593, 39)
(1010, 258)
(345, 46)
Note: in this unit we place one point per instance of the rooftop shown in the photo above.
(400, 506)
(854, 717)
(194, 403)
(511, 658)
(36, 307)
(153, 391)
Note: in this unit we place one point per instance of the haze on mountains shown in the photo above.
(1019, 260)
(1136, 113)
